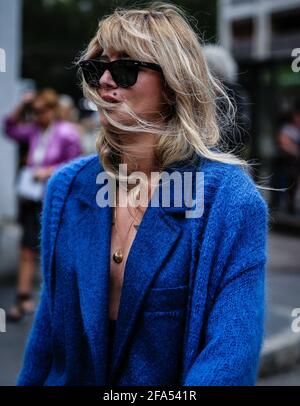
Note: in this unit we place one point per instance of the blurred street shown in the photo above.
(283, 287)
(286, 378)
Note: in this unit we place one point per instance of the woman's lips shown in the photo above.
(110, 99)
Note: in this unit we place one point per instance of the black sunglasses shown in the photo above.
(124, 72)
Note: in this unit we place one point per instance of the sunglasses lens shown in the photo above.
(92, 72)
(124, 73)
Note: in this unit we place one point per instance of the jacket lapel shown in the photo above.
(92, 267)
(144, 261)
(93, 281)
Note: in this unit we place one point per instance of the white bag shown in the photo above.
(28, 187)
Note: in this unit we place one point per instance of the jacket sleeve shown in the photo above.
(234, 326)
(38, 353)
(18, 131)
(38, 358)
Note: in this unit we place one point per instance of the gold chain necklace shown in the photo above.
(118, 255)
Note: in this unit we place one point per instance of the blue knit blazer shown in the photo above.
(193, 297)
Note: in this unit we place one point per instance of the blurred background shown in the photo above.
(253, 46)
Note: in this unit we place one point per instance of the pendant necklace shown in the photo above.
(118, 255)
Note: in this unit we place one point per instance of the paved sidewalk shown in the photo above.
(281, 347)
(12, 342)
(290, 377)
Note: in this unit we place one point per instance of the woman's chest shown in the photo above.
(130, 246)
(123, 232)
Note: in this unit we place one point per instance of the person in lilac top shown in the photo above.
(52, 142)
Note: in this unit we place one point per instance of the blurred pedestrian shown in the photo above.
(286, 163)
(66, 109)
(90, 129)
(52, 142)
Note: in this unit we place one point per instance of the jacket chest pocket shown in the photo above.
(166, 299)
(157, 345)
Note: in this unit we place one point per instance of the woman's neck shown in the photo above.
(44, 127)
(142, 154)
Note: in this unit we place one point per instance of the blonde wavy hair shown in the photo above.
(199, 107)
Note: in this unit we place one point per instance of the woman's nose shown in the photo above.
(106, 80)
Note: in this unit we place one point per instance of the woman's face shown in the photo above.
(145, 97)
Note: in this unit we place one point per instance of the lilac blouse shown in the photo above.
(63, 143)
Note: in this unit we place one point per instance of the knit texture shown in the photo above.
(193, 297)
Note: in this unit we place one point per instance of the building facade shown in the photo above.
(10, 58)
(264, 37)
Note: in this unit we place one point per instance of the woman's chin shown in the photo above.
(115, 116)
(104, 121)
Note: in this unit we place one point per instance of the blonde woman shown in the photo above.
(150, 294)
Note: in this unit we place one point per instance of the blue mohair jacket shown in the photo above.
(192, 304)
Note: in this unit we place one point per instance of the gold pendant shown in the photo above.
(118, 256)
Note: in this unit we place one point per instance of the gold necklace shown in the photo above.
(118, 255)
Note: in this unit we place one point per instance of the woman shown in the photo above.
(143, 294)
(52, 142)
